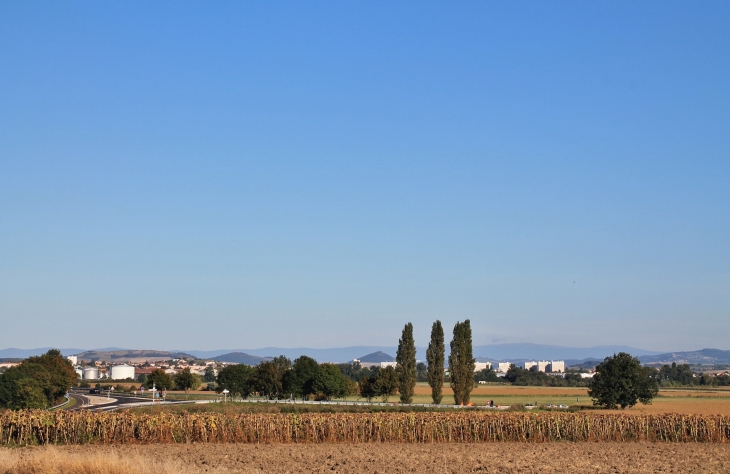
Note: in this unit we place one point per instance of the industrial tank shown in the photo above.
(91, 373)
(121, 372)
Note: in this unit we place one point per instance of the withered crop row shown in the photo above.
(22, 428)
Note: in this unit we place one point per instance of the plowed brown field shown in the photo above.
(378, 458)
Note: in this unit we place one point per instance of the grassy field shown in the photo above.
(685, 401)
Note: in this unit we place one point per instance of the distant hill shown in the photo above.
(701, 357)
(125, 355)
(377, 357)
(336, 354)
(491, 352)
(240, 358)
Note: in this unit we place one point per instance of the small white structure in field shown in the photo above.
(121, 372)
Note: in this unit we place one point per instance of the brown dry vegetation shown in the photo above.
(369, 458)
(25, 428)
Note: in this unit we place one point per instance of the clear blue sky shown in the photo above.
(228, 175)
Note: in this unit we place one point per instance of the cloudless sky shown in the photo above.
(201, 175)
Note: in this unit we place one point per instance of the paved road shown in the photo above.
(83, 400)
(117, 401)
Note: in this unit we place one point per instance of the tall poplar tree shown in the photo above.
(461, 363)
(435, 359)
(406, 365)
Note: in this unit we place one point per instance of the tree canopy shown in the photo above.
(329, 381)
(237, 379)
(160, 380)
(298, 381)
(386, 383)
(435, 358)
(37, 382)
(406, 365)
(461, 363)
(621, 381)
(185, 380)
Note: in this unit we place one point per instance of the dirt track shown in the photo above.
(451, 458)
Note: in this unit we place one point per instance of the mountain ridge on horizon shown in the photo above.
(489, 352)
(492, 352)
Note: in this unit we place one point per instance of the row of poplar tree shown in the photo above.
(461, 363)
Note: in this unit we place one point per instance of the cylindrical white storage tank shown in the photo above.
(121, 372)
(79, 372)
(91, 373)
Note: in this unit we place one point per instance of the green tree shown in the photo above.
(237, 379)
(282, 364)
(37, 382)
(185, 380)
(386, 383)
(268, 381)
(298, 381)
(461, 363)
(160, 380)
(368, 387)
(209, 374)
(621, 381)
(421, 372)
(22, 388)
(487, 375)
(435, 359)
(329, 381)
(406, 365)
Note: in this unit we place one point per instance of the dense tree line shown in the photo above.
(37, 382)
(682, 375)
(518, 376)
(280, 379)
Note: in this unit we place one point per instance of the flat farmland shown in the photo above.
(370, 458)
(685, 401)
(712, 401)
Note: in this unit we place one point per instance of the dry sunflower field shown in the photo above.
(28, 428)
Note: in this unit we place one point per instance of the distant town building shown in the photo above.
(481, 366)
(543, 366)
(388, 364)
(530, 364)
(557, 366)
(504, 367)
(73, 359)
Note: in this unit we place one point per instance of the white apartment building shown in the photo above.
(557, 366)
(546, 365)
(481, 366)
(504, 367)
